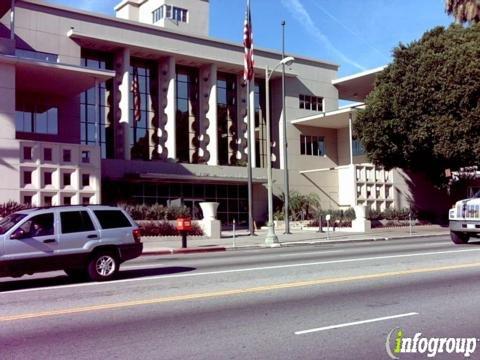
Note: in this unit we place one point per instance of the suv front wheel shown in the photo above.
(103, 266)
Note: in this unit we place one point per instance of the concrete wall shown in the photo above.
(9, 147)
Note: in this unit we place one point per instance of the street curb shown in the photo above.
(330, 242)
(172, 251)
(184, 251)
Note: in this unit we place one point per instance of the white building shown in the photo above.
(69, 134)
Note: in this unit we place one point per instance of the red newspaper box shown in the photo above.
(184, 224)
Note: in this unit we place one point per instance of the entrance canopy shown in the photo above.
(337, 119)
(53, 79)
(356, 87)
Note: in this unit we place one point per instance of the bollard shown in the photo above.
(320, 229)
(328, 226)
(234, 245)
(184, 239)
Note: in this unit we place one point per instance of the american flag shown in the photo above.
(136, 95)
(248, 45)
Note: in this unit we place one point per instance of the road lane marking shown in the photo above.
(310, 253)
(354, 323)
(225, 293)
(220, 272)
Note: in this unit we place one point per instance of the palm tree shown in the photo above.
(464, 10)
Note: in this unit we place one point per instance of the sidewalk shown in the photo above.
(242, 240)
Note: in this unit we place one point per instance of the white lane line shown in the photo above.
(310, 253)
(263, 268)
(354, 323)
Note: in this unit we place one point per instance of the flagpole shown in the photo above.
(249, 165)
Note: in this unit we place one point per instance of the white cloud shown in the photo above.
(302, 16)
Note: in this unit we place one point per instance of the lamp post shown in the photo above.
(285, 139)
(271, 238)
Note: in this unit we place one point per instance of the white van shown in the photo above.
(465, 219)
(85, 241)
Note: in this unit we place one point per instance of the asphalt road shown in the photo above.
(318, 302)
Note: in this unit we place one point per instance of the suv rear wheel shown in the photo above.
(103, 266)
(459, 238)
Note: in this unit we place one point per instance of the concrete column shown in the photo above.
(208, 114)
(241, 140)
(122, 113)
(167, 147)
(9, 147)
(350, 137)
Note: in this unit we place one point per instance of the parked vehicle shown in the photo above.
(465, 219)
(87, 242)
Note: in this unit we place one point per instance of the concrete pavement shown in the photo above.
(242, 240)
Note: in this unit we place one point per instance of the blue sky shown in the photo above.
(356, 34)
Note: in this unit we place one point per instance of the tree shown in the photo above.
(424, 113)
(464, 10)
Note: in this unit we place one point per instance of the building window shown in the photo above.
(312, 145)
(67, 155)
(187, 114)
(67, 179)
(85, 156)
(260, 125)
(309, 102)
(170, 12)
(38, 121)
(179, 14)
(27, 153)
(47, 178)
(67, 200)
(227, 118)
(85, 200)
(141, 146)
(102, 134)
(357, 148)
(27, 199)
(47, 200)
(85, 180)
(158, 14)
(47, 154)
(27, 177)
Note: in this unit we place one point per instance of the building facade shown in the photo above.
(144, 107)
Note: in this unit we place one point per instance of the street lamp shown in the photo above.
(271, 238)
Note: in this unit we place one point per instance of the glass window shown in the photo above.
(308, 142)
(47, 200)
(27, 153)
(85, 156)
(67, 200)
(85, 180)
(76, 221)
(67, 155)
(47, 178)
(302, 144)
(40, 225)
(47, 154)
(27, 199)
(111, 219)
(67, 179)
(10, 221)
(27, 177)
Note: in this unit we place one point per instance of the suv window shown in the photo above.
(40, 225)
(111, 219)
(76, 221)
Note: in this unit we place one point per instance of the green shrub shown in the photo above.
(165, 228)
(11, 207)
(155, 211)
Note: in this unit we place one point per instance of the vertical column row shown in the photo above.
(167, 148)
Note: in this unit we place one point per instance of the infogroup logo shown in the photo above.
(397, 343)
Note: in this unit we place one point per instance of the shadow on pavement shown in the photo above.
(29, 283)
